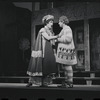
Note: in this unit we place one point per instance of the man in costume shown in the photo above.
(66, 55)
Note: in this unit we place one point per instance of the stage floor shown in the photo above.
(19, 91)
(53, 86)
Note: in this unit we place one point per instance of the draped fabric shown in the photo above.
(35, 64)
(49, 61)
(39, 65)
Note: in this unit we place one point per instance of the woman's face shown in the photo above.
(50, 24)
(60, 23)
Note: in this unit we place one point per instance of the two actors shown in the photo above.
(43, 60)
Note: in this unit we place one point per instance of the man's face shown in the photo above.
(60, 23)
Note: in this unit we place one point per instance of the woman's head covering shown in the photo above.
(64, 19)
(47, 18)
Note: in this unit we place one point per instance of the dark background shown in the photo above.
(15, 25)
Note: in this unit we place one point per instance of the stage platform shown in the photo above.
(19, 91)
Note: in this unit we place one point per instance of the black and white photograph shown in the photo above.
(50, 50)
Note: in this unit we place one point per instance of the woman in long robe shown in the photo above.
(42, 62)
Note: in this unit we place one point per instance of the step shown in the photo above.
(85, 78)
